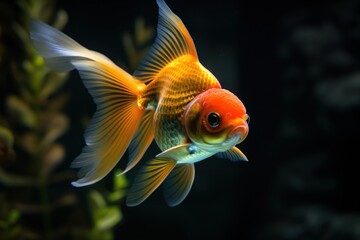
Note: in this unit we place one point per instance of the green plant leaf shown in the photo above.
(52, 82)
(106, 218)
(96, 200)
(52, 158)
(6, 137)
(20, 111)
(116, 196)
(14, 216)
(54, 125)
(120, 181)
(16, 180)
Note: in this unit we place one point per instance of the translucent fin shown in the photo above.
(172, 41)
(178, 183)
(150, 176)
(234, 154)
(57, 48)
(141, 141)
(114, 91)
(185, 153)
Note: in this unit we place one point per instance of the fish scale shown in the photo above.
(174, 87)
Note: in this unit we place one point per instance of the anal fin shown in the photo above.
(178, 183)
(149, 178)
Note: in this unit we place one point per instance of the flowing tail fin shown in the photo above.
(114, 91)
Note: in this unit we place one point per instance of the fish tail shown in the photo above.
(114, 91)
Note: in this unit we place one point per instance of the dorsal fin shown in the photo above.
(172, 41)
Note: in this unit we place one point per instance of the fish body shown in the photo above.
(170, 92)
(171, 98)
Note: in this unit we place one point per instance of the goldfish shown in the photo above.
(171, 98)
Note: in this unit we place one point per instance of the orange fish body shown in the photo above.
(171, 98)
(181, 81)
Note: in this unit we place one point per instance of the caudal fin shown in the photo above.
(114, 91)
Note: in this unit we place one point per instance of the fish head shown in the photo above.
(216, 120)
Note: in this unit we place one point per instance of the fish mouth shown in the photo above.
(233, 137)
(239, 133)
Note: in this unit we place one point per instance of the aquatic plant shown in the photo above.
(137, 44)
(37, 200)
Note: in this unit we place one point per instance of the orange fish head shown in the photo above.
(216, 120)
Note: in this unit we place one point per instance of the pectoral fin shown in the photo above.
(178, 183)
(234, 154)
(185, 153)
(150, 176)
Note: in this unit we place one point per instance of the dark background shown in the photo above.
(296, 68)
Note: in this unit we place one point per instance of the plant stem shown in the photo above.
(42, 186)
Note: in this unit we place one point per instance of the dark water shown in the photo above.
(296, 67)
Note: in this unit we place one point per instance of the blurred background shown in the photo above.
(295, 66)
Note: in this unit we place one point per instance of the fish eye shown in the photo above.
(214, 119)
